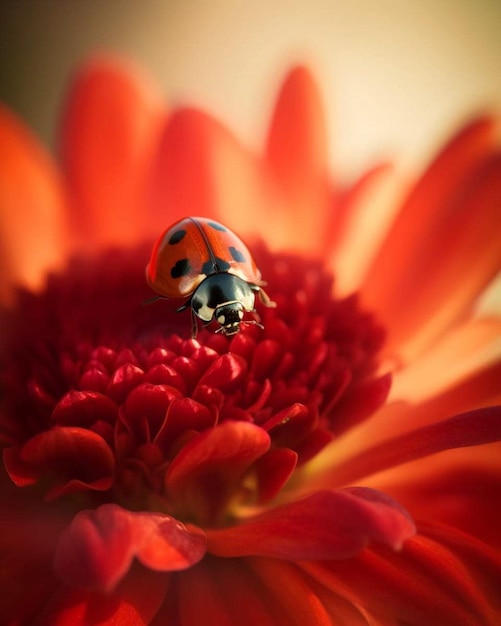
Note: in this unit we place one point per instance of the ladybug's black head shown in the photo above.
(229, 316)
(223, 298)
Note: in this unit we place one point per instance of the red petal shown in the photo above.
(74, 455)
(84, 408)
(183, 414)
(225, 373)
(124, 380)
(461, 491)
(448, 579)
(134, 602)
(28, 534)
(145, 409)
(20, 472)
(223, 592)
(360, 402)
(206, 472)
(108, 134)
(297, 153)
(446, 229)
(293, 595)
(480, 388)
(97, 549)
(31, 207)
(325, 525)
(273, 470)
(468, 429)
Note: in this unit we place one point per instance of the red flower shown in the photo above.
(271, 477)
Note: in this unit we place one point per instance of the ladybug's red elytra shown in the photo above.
(204, 261)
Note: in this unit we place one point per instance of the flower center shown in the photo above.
(110, 398)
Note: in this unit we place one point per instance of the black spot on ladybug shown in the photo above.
(181, 268)
(216, 226)
(237, 255)
(176, 237)
(212, 267)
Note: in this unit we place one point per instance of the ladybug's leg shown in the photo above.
(264, 297)
(194, 325)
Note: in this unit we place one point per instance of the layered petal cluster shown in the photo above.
(339, 466)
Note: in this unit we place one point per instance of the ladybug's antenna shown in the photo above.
(253, 323)
(154, 299)
(249, 322)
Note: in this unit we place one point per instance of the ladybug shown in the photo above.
(202, 260)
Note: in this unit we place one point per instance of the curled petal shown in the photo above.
(225, 373)
(79, 459)
(84, 408)
(325, 525)
(146, 407)
(97, 549)
(203, 476)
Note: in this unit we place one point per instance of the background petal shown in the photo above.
(296, 151)
(201, 169)
(108, 135)
(473, 428)
(445, 239)
(32, 208)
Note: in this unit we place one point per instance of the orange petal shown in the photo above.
(479, 389)
(444, 246)
(467, 349)
(363, 216)
(297, 154)
(109, 131)
(201, 169)
(31, 207)
(459, 488)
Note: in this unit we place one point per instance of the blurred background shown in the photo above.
(397, 75)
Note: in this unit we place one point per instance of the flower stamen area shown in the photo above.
(123, 407)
